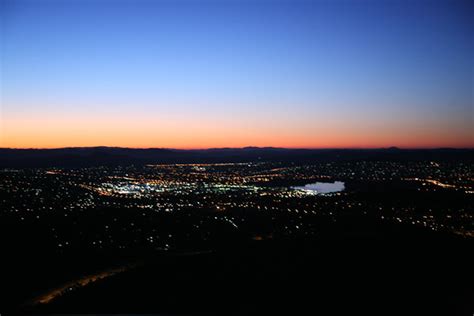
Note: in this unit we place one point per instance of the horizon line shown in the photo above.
(244, 147)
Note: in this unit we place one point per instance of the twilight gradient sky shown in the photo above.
(195, 74)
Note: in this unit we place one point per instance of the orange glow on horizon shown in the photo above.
(202, 133)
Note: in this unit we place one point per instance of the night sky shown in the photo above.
(195, 74)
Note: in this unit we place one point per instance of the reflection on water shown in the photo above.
(323, 187)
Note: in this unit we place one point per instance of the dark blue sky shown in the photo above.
(236, 73)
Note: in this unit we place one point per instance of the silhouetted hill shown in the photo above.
(357, 265)
(92, 156)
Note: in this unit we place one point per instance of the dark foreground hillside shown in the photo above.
(353, 267)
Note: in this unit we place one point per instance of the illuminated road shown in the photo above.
(89, 279)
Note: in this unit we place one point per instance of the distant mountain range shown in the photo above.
(95, 156)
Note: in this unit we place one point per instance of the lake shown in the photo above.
(323, 187)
